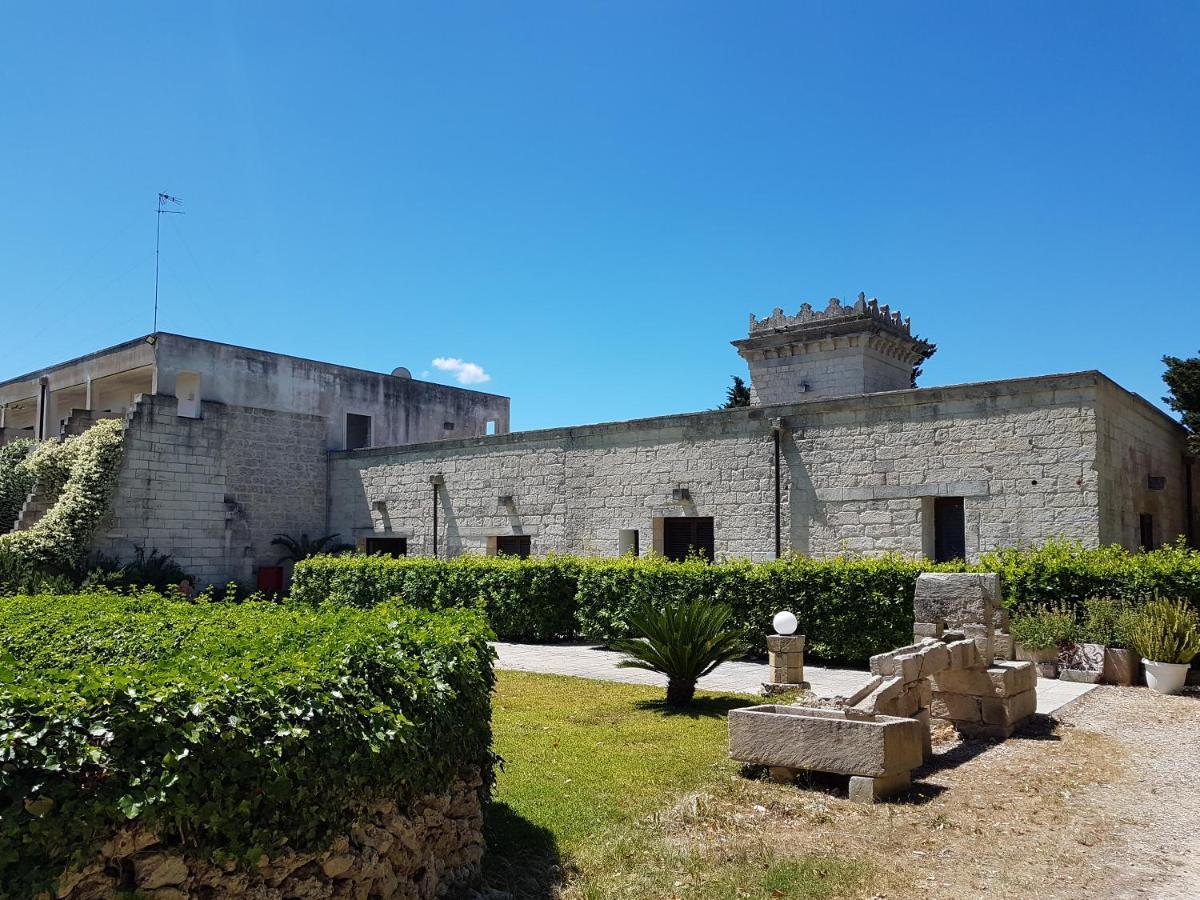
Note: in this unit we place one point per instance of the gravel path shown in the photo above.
(1155, 802)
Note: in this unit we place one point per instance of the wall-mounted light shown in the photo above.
(379, 506)
(152, 339)
(1157, 482)
(437, 479)
(681, 493)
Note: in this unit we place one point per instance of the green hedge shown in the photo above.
(238, 728)
(1062, 573)
(848, 608)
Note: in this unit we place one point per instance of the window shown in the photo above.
(490, 428)
(685, 536)
(949, 529)
(358, 431)
(627, 542)
(447, 426)
(1146, 529)
(511, 545)
(393, 547)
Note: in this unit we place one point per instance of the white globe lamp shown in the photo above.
(784, 622)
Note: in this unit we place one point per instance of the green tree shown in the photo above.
(1183, 382)
(737, 394)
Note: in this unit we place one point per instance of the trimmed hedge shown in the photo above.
(1065, 574)
(848, 608)
(237, 730)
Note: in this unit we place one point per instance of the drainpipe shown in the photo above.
(43, 396)
(776, 433)
(435, 481)
(1189, 508)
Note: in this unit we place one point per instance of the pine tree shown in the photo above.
(737, 394)
(1183, 382)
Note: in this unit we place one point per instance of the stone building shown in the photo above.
(227, 446)
(837, 453)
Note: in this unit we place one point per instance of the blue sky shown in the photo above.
(587, 200)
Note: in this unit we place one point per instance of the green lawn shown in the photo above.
(593, 774)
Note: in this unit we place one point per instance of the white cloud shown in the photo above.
(464, 372)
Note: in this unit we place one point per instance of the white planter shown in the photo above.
(1166, 678)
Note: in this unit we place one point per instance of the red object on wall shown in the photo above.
(270, 579)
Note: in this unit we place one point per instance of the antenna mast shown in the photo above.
(162, 199)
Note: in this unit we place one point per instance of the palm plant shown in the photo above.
(297, 550)
(684, 641)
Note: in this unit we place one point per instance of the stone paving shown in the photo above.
(592, 661)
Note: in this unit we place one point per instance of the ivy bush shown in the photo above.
(234, 730)
(80, 472)
(16, 480)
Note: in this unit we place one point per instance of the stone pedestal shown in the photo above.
(786, 657)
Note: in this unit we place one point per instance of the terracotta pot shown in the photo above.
(1045, 660)
(1120, 666)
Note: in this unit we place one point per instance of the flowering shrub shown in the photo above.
(80, 473)
(16, 480)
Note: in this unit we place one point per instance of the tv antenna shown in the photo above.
(163, 201)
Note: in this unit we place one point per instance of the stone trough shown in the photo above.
(878, 752)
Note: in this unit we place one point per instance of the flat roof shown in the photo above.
(135, 342)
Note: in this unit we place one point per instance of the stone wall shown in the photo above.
(213, 491)
(420, 853)
(1138, 442)
(860, 475)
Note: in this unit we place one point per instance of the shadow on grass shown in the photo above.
(700, 708)
(522, 859)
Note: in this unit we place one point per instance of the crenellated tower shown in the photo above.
(842, 350)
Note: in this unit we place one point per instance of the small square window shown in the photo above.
(358, 431)
(447, 426)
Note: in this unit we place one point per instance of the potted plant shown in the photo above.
(1167, 635)
(1039, 635)
(1110, 622)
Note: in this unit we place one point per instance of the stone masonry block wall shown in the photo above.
(1138, 442)
(430, 849)
(860, 475)
(213, 491)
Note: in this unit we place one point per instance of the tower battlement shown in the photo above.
(835, 312)
(841, 350)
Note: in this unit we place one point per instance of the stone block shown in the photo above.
(934, 659)
(867, 688)
(883, 664)
(1120, 666)
(1001, 680)
(1004, 646)
(963, 654)
(1008, 712)
(927, 629)
(824, 740)
(908, 667)
(955, 707)
(868, 790)
(925, 719)
(785, 643)
(956, 598)
(984, 639)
